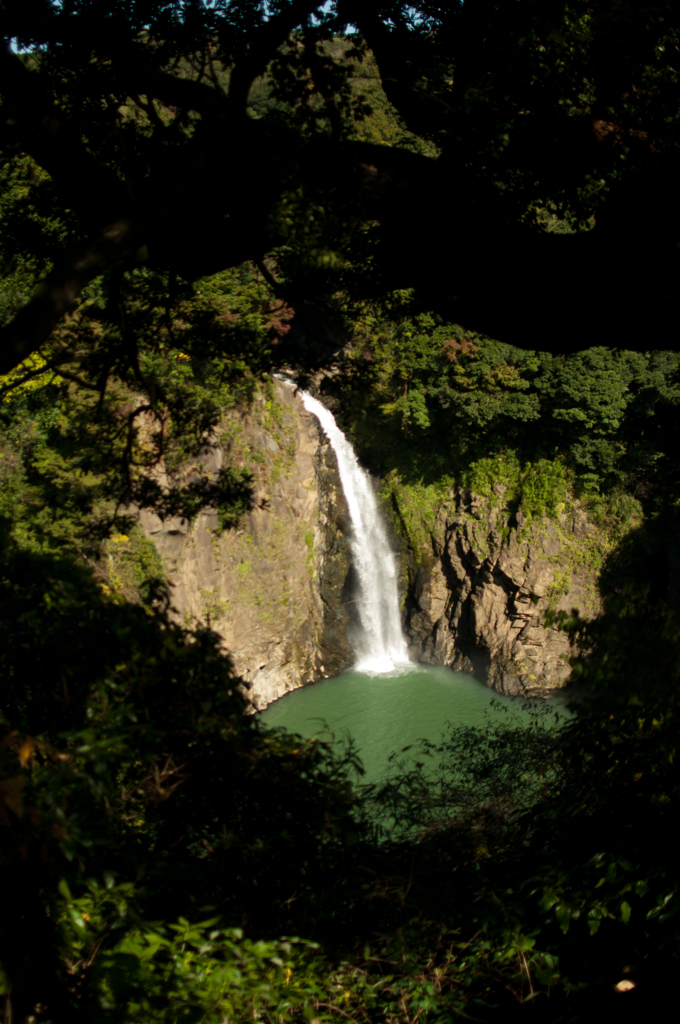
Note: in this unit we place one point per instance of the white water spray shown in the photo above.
(381, 645)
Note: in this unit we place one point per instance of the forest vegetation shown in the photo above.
(469, 211)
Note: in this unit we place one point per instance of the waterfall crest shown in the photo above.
(380, 647)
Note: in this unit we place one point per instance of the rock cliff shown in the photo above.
(476, 584)
(274, 587)
(476, 596)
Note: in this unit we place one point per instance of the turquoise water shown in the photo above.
(384, 713)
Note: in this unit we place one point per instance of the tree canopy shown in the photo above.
(184, 180)
(527, 184)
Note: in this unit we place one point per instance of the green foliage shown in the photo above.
(537, 491)
(33, 231)
(49, 488)
(121, 729)
(417, 506)
(180, 970)
(132, 564)
(544, 489)
(529, 430)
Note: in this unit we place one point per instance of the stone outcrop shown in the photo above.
(477, 600)
(272, 587)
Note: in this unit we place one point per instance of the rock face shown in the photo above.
(274, 587)
(277, 588)
(476, 601)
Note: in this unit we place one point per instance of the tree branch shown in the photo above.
(182, 92)
(422, 112)
(322, 79)
(262, 50)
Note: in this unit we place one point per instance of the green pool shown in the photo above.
(384, 713)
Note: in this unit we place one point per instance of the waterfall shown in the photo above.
(380, 645)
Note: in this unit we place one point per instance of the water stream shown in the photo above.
(380, 645)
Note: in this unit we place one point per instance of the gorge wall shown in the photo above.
(273, 588)
(481, 580)
(475, 581)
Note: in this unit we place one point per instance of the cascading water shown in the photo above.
(380, 647)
